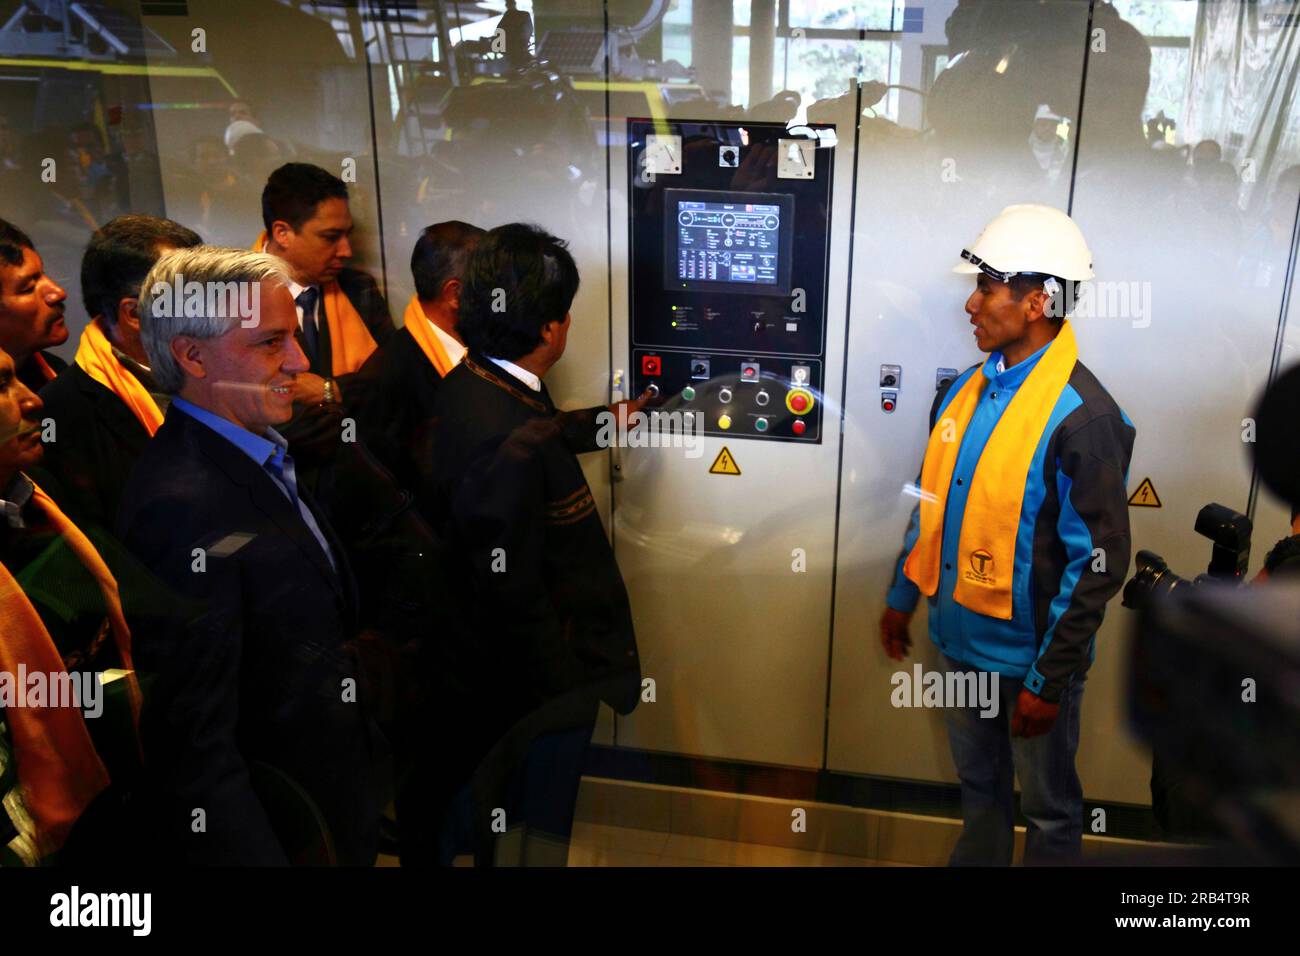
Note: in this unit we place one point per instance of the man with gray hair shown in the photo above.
(259, 740)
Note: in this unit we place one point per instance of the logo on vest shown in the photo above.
(981, 567)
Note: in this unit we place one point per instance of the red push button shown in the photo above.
(799, 426)
(651, 365)
(798, 400)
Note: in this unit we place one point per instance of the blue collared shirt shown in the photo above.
(270, 452)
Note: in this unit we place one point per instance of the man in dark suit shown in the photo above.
(106, 405)
(31, 310)
(342, 315)
(550, 615)
(257, 723)
(403, 376)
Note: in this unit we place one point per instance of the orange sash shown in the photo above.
(96, 358)
(421, 329)
(350, 341)
(59, 771)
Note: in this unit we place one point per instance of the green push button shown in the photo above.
(688, 393)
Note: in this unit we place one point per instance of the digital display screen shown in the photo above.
(728, 242)
(733, 242)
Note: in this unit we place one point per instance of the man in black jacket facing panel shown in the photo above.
(548, 611)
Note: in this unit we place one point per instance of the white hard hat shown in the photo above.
(237, 131)
(1029, 238)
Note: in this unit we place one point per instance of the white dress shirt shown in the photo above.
(455, 351)
(296, 290)
(525, 376)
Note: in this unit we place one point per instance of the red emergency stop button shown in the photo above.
(799, 426)
(651, 365)
(798, 401)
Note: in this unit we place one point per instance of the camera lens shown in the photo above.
(1153, 578)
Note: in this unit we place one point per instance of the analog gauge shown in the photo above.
(663, 154)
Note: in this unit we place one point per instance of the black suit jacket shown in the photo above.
(97, 442)
(258, 667)
(549, 611)
(395, 417)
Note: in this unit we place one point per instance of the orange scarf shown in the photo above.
(59, 771)
(96, 358)
(350, 341)
(987, 544)
(421, 329)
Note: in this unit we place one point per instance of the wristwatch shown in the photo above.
(331, 391)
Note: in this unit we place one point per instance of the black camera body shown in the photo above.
(1229, 531)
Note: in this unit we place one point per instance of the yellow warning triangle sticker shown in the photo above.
(724, 464)
(1145, 496)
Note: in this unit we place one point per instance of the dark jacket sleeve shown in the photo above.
(1093, 527)
(499, 512)
(580, 428)
(192, 649)
(315, 431)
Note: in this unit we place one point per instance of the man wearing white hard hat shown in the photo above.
(1020, 537)
(1049, 146)
(237, 131)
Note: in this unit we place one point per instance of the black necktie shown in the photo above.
(310, 332)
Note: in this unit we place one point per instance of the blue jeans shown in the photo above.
(988, 759)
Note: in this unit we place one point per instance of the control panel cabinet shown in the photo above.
(729, 235)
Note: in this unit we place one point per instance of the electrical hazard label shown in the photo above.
(1145, 496)
(724, 464)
